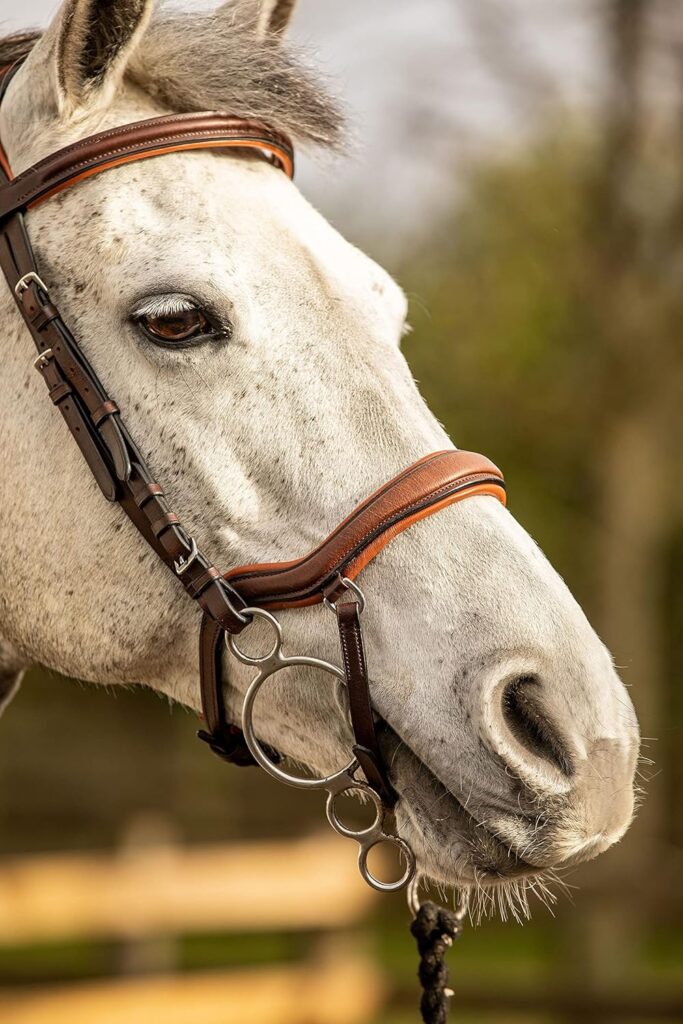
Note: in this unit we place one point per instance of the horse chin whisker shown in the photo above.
(510, 898)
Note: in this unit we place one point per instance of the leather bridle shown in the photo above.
(229, 602)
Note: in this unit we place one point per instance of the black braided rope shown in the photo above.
(434, 929)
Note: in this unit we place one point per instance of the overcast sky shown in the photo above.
(427, 83)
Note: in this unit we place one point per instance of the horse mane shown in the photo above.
(17, 45)
(216, 61)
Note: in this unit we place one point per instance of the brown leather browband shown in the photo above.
(154, 137)
(95, 422)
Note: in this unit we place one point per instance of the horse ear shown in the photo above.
(275, 16)
(271, 17)
(94, 40)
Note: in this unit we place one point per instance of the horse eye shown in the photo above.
(184, 327)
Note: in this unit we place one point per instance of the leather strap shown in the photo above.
(97, 427)
(92, 417)
(366, 748)
(155, 136)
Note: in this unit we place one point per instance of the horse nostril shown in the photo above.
(528, 722)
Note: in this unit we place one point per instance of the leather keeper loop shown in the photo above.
(215, 601)
(107, 408)
(44, 316)
(334, 590)
(376, 774)
(163, 523)
(59, 392)
(30, 301)
(195, 587)
(230, 745)
(143, 492)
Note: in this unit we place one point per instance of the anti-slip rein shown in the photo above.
(229, 601)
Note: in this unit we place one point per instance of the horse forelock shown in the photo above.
(217, 61)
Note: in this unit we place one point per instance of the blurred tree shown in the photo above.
(547, 333)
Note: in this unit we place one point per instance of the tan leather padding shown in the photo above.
(429, 485)
(4, 162)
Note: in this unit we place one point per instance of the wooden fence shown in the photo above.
(140, 894)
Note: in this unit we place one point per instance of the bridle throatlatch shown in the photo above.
(231, 601)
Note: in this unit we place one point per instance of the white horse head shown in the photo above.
(255, 355)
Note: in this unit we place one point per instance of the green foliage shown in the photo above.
(502, 345)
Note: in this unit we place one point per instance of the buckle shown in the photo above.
(42, 360)
(184, 563)
(24, 282)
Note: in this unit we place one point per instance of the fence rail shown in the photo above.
(345, 992)
(287, 886)
(142, 893)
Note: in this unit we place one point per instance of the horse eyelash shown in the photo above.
(171, 305)
(165, 305)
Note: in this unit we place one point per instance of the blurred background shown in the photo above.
(517, 166)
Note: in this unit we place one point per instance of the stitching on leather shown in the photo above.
(125, 129)
(359, 648)
(133, 147)
(345, 652)
(359, 651)
(397, 515)
(357, 644)
(406, 509)
(407, 474)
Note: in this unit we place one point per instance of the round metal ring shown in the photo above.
(413, 896)
(339, 779)
(247, 659)
(375, 883)
(354, 588)
(344, 830)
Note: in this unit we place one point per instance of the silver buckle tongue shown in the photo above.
(42, 360)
